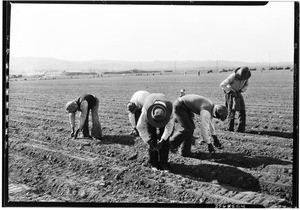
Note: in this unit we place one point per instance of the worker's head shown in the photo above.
(220, 112)
(182, 92)
(242, 73)
(71, 106)
(132, 107)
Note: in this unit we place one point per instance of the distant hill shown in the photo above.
(32, 65)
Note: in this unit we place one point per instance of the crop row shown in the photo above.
(50, 177)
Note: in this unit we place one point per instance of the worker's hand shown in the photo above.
(159, 144)
(211, 148)
(217, 142)
(134, 132)
(73, 132)
(239, 93)
(76, 133)
(151, 145)
(233, 93)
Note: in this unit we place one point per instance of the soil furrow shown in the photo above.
(84, 163)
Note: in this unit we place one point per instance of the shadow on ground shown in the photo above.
(240, 160)
(272, 133)
(118, 139)
(224, 175)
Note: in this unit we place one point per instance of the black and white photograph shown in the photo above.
(189, 104)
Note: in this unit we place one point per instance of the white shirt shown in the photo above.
(83, 113)
(142, 127)
(138, 99)
(206, 126)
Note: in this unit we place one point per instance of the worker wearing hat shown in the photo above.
(184, 108)
(157, 114)
(134, 108)
(233, 86)
(84, 104)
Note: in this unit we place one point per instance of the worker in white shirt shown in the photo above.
(84, 104)
(233, 86)
(134, 108)
(155, 127)
(184, 108)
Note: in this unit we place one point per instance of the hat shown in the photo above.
(158, 115)
(131, 106)
(243, 73)
(221, 112)
(71, 106)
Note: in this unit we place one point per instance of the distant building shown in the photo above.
(15, 76)
(79, 73)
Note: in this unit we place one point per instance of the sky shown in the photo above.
(83, 32)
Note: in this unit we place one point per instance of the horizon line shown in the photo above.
(139, 61)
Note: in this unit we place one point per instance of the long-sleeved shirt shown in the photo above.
(233, 84)
(142, 123)
(138, 99)
(203, 107)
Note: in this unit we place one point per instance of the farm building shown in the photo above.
(15, 76)
(79, 73)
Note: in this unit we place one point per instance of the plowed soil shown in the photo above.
(46, 165)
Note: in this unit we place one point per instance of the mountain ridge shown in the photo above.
(38, 64)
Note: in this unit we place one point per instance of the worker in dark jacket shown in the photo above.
(184, 108)
(233, 86)
(84, 104)
(157, 114)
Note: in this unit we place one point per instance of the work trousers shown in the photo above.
(230, 100)
(185, 129)
(96, 130)
(160, 157)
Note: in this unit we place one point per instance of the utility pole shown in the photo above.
(217, 63)
(175, 60)
(269, 60)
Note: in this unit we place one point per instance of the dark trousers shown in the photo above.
(160, 157)
(229, 98)
(85, 129)
(137, 115)
(185, 129)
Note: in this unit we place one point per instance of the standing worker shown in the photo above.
(134, 107)
(84, 104)
(233, 86)
(184, 108)
(157, 114)
(182, 92)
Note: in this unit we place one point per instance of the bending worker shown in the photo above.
(233, 86)
(157, 114)
(84, 104)
(134, 107)
(184, 108)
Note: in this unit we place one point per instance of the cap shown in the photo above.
(243, 73)
(71, 106)
(131, 106)
(221, 112)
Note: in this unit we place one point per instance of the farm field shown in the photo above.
(46, 165)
